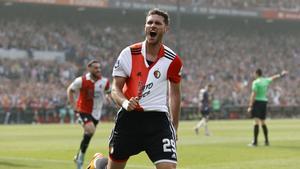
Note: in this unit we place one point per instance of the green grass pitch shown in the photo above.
(53, 146)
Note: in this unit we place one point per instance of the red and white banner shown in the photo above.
(89, 3)
(284, 15)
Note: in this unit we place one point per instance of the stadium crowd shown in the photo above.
(293, 5)
(252, 4)
(211, 54)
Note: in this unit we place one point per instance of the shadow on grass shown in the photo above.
(15, 165)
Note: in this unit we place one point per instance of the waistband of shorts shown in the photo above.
(260, 101)
(141, 111)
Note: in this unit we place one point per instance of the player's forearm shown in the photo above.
(117, 96)
(282, 74)
(116, 90)
(252, 97)
(275, 76)
(71, 99)
(175, 111)
(175, 103)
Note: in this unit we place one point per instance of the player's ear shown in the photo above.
(167, 28)
(89, 68)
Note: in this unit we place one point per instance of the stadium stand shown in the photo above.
(213, 51)
(293, 5)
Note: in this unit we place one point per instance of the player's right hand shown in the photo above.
(249, 110)
(130, 104)
(284, 72)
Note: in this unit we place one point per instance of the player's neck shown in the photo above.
(94, 78)
(152, 51)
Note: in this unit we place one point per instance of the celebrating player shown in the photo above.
(145, 75)
(93, 90)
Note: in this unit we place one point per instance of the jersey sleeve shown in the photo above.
(122, 66)
(254, 87)
(269, 80)
(175, 70)
(76, 84)
(201, 95)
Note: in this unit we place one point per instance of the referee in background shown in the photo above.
(258, 103)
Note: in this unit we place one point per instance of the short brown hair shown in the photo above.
(92, 62)
(159, 12)
(259, 72)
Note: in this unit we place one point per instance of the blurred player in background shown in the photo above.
(258, 103)
(143, 75)
(93, 90)
(98, 162)
(205, 98)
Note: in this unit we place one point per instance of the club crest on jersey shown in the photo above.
(157, 74)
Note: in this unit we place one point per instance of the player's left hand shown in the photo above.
(249, 110)
(283, 73)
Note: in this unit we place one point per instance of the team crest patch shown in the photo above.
(157, 74)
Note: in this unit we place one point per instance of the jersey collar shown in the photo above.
(88, 76)
(160, 53)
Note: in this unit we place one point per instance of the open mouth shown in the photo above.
(153, 34)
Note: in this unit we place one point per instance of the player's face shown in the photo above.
(255, 75)
(155, 28)
(210, 89)
(95, 70)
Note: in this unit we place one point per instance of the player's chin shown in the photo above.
(97, 74)
(152, 40)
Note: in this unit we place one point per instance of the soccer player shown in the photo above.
(205, 97)
(93, 90)
(258, 103)
(145, 76)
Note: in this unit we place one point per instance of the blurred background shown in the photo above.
(45, 45)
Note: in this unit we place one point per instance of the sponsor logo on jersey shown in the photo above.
(145, 90)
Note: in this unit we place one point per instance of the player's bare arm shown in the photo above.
(252, 99)
(71, 95)
(175, 102)
(282, 74)
(118, 96)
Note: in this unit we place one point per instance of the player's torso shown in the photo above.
(206, 99)
(149, 83)
(262, 89)
(91, 96)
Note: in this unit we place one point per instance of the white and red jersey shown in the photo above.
(149, 83)
(91, 94)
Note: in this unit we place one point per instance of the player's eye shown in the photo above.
(158, 23)
(149, 22)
